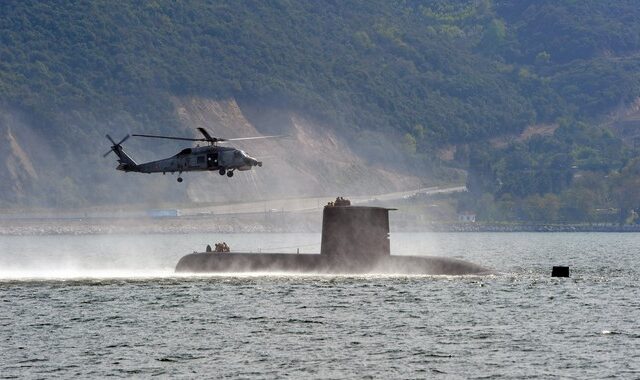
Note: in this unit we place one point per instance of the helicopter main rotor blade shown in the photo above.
(169, 137)
(255, 138)
(207, 136)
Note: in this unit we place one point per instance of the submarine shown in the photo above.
(355, 240)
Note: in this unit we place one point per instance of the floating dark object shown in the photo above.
(355, 240)
(559, 271)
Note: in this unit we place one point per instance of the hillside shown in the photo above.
(369, 90)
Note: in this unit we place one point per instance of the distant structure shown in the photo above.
(166, 213)
(467, 217)
(355, 239)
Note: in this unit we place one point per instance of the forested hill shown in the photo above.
(432, 72)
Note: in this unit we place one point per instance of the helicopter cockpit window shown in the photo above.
(185, 151)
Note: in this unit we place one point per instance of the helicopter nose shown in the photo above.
(252, 161)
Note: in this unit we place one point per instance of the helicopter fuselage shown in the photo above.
(206, 158)
(224, 159)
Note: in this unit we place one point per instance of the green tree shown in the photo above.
(624, 186)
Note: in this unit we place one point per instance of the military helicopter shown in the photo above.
(224, 159)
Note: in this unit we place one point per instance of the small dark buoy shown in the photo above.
(208, 248)
(560, 272)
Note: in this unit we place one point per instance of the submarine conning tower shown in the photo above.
(354, 234)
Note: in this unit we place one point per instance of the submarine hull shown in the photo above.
(321, 264)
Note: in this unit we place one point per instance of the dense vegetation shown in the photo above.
(424, 73)
(580, 174)
(461, 71)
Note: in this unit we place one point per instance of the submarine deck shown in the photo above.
(206, 262)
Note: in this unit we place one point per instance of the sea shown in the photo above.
(99, 306)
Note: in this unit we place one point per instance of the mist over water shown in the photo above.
(127, 256)
(155, 255)
(96, 306)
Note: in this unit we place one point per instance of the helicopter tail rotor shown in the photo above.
(127, 164)
(115, 146)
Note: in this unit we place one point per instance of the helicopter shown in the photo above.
(224, 159)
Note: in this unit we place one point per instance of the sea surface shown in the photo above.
(110, 305)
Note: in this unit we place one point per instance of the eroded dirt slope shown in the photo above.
(312, 160)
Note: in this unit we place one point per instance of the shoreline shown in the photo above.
(251, 224)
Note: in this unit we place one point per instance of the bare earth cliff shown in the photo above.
(311, 160)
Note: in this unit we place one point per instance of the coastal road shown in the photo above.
(280, 205)
(309, 204)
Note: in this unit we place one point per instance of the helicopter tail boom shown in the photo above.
(127, 164)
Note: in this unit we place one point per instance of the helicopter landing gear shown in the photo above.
(222, 171)
(179, 179)
(230, 173)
